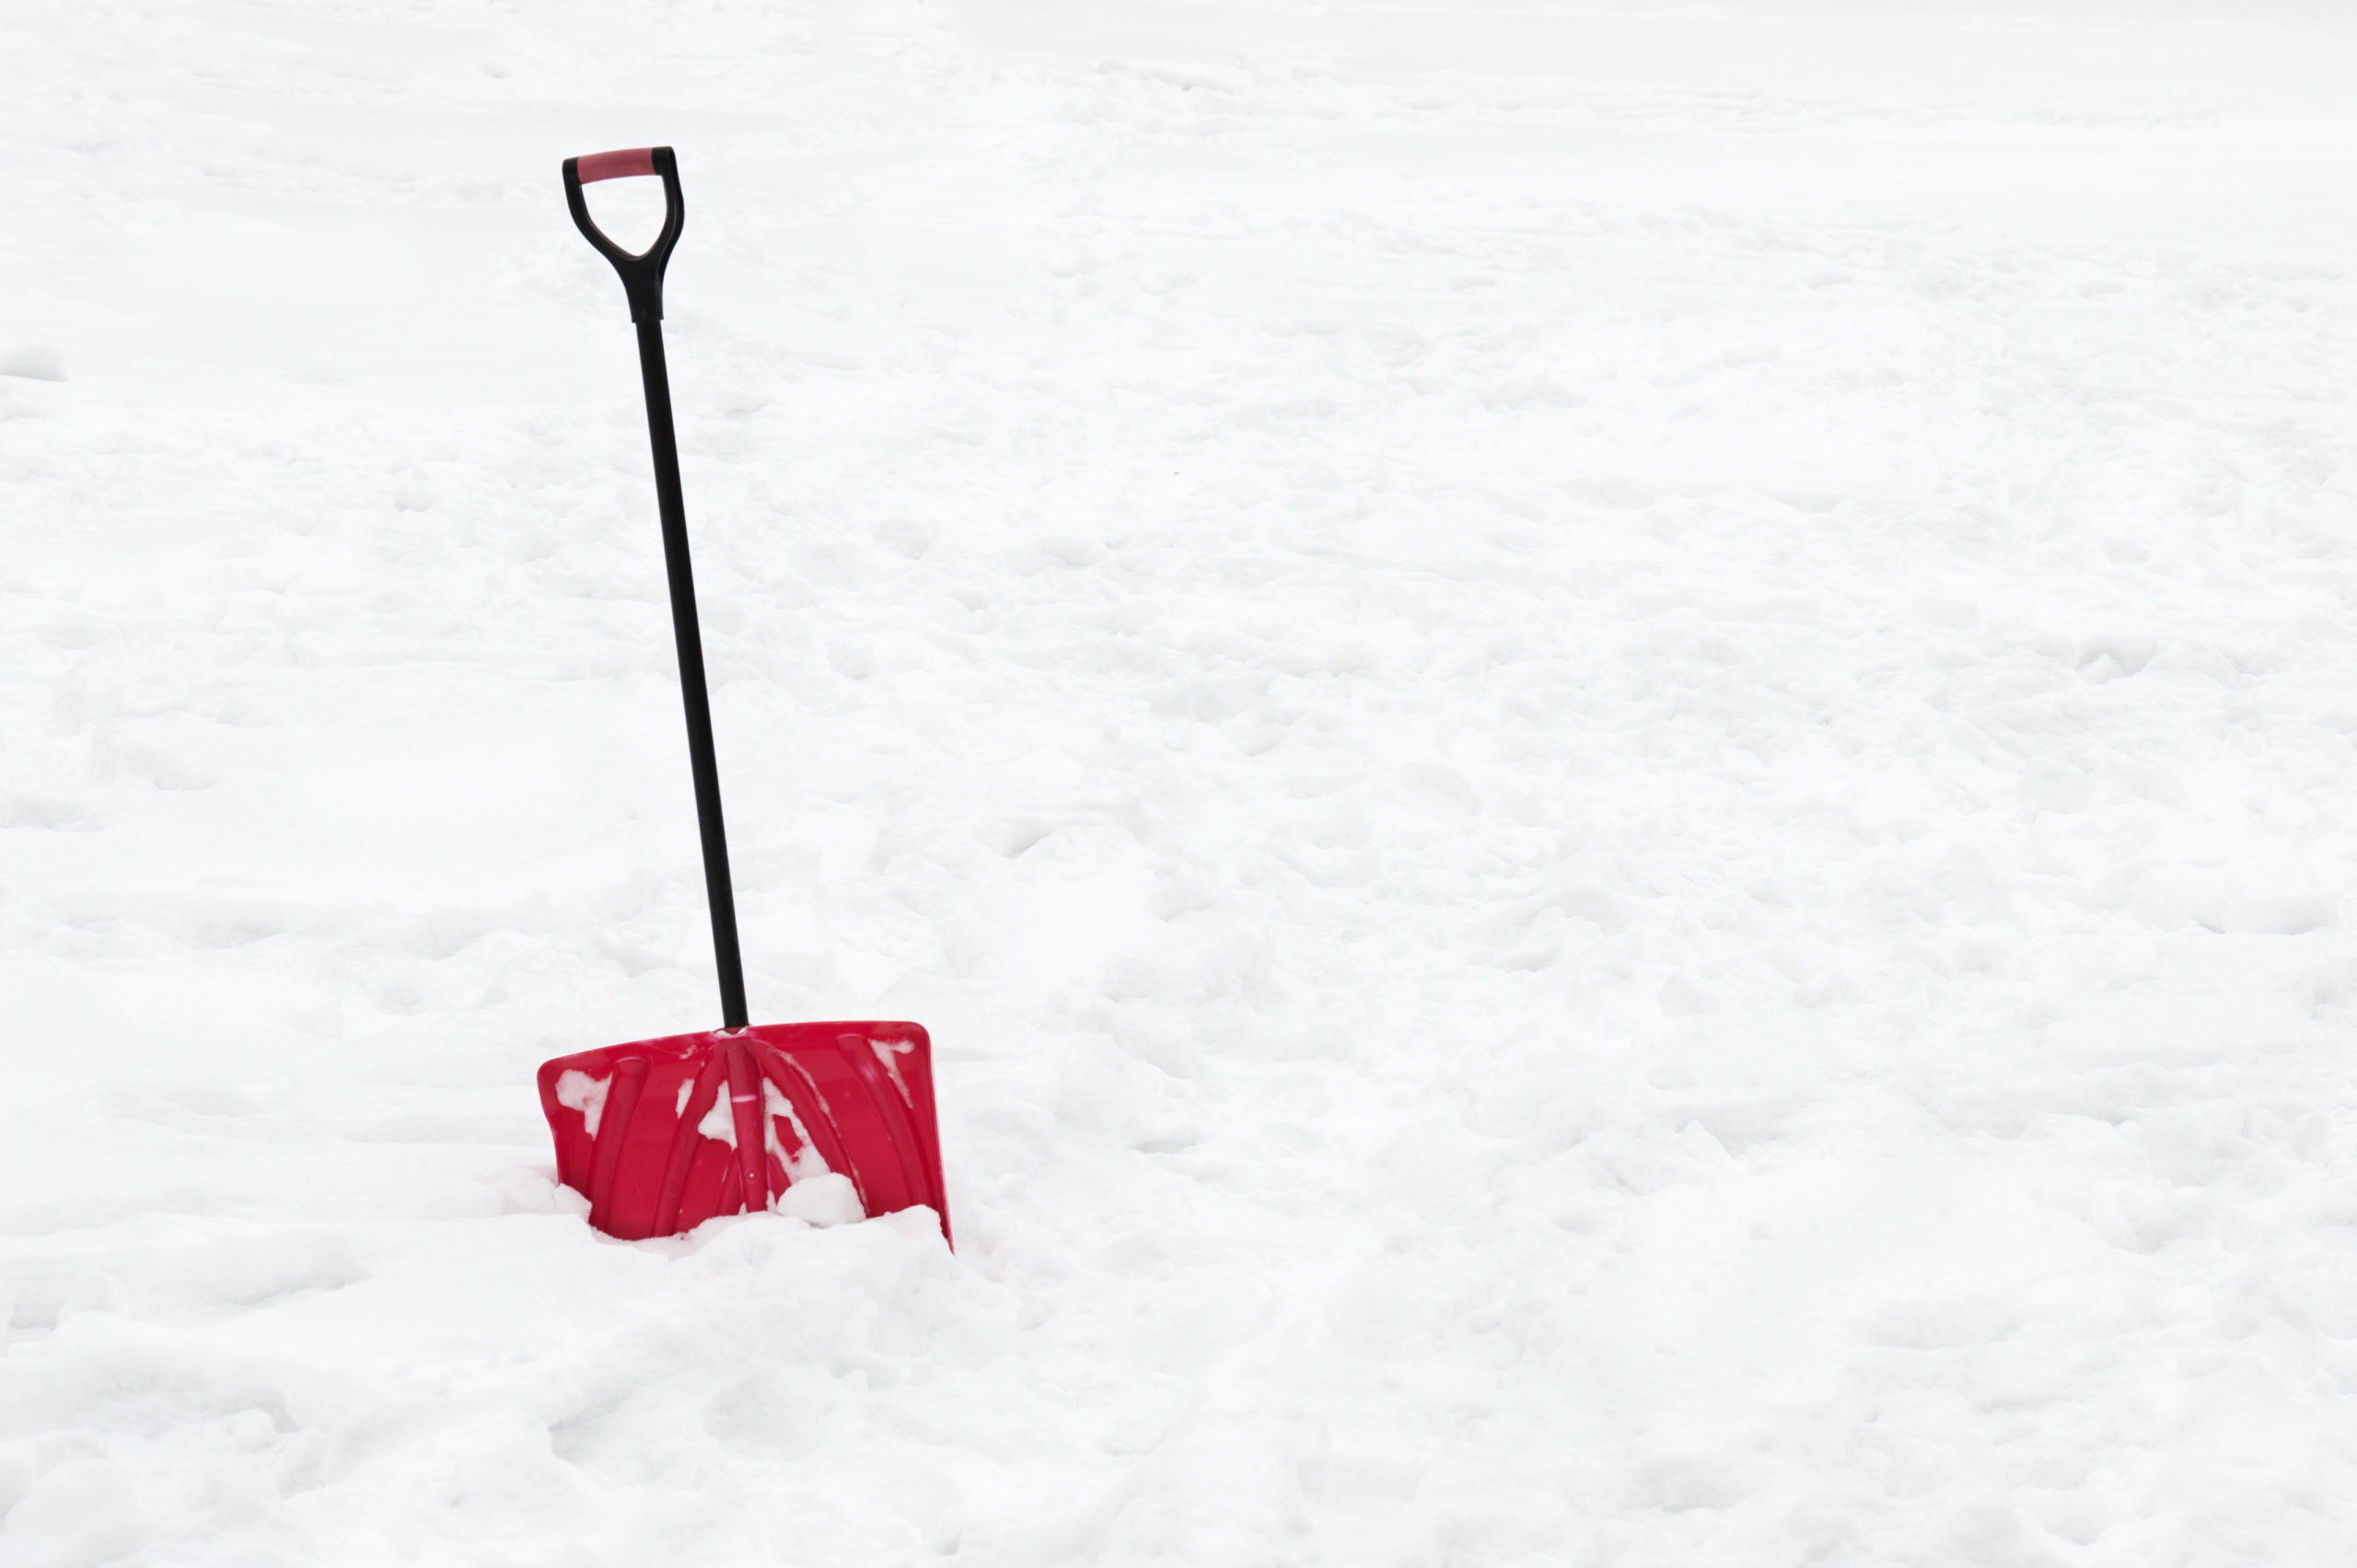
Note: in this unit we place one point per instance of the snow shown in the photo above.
(578, 1091)
(820, 1198)
(1613, 746)
(803, 1164)
(720, 1122)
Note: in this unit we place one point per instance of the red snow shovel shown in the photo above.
(663, 1134)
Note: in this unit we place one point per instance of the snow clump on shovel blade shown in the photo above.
(806, 1162)
(719, 1123)
(577, 1090)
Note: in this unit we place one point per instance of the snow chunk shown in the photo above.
(719, 1123)
(822, 1199)
(577, 1090)
(889, 1053)
(801, 1167)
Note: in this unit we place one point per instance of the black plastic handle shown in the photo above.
(642, 276)
(642, 270)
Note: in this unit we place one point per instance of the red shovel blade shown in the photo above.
(661, 1135)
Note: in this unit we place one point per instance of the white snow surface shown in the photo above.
(1615, 746)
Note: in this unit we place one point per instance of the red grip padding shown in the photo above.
(614, 166)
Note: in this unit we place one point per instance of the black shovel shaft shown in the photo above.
(693, 694)
(641, 275)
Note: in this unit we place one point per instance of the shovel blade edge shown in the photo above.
(657, 1133)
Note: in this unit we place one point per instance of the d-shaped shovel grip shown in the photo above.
(642, 270)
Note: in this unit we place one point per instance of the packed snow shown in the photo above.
(1615, 747)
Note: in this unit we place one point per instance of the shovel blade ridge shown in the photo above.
(656, 1133)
